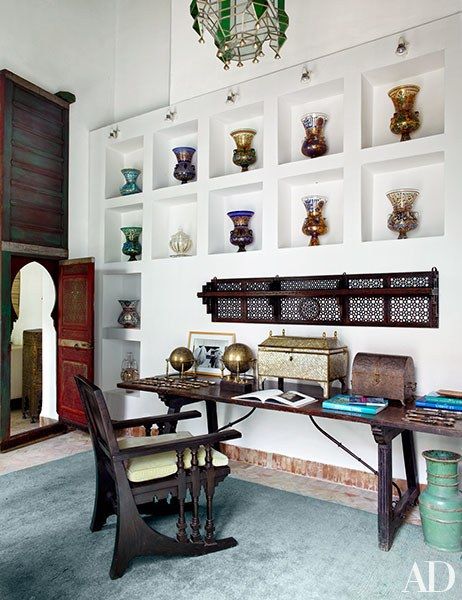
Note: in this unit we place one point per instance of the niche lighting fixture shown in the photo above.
(170, 115)
(306, 75)
(114, 133)
(232, 97)
(240, 28)
(402, 47)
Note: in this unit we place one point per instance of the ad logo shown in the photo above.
(425, 582)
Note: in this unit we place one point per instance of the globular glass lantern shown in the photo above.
(240, 28)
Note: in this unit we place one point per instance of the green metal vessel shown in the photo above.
(441, 502)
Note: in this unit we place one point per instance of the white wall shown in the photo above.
(66, 45)
(37, 299)
(142, 63)
(314, 30)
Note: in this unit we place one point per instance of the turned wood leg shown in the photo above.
(195, 491)
(181, 535)
(210, 488)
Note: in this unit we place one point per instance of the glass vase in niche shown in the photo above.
(314, 224)
(129, 317)
(405, 120)
(129, 370)
(403, 219)
(180, 243)
(130, 186)
(244, 155)
(241, 235)
(314, 143)
(184, 170)
(131, 246)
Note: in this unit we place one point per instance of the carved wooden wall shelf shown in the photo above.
(372, 300)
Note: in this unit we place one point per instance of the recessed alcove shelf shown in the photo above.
(424, 173)
(243, 197)
(183, 134)
(326, 98)
(292, 213)
(114, 351)
(123, 155)
(222, 144)
(128, 215)
(167, 216)
(119, 286)
(377, 108)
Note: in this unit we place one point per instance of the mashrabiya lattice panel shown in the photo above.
(375, 300)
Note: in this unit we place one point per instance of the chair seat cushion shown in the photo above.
(156, 466)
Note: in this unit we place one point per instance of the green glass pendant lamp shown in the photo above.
(240, 28)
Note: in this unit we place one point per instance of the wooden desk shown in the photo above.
(385, 426)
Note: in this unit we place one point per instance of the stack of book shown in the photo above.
(355, 404)
(445, 400)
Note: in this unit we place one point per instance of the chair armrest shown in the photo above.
(156, 419)
(209, 439)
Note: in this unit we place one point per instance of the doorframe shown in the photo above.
(11, 264)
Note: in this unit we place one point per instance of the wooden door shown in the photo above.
(75, 335)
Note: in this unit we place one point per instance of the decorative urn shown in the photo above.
(129, 317)
(130, 186)
(241, 235)
(405, 120)
(314, 224)
(244, 155)
(403, 219)
(184, 170)
(131, 246)
(129, 369)
(180, 243)
(440, 503)
(314, 143)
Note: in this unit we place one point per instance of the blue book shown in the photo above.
(441, 405)
(361, 400)
(345, 406)
(434, 397)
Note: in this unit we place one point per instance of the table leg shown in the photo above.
(385, 496)
(410, 462)
(212, 418)
(173, 405)
(391, 516)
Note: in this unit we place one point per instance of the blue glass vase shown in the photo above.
(241, 236)
(184, 170)
(130, 186)
(131, 246)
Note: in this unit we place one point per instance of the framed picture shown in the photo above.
(208, 348)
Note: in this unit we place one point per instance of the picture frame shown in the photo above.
(208, 348)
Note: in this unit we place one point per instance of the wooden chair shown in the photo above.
(136, 475)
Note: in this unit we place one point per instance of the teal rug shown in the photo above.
(290, 547)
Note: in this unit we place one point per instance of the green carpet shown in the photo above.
(290, 547)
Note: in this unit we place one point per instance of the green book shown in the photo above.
(434, 397)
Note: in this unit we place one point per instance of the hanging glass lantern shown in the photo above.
(240, 27)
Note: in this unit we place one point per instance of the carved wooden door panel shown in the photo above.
(75, 335)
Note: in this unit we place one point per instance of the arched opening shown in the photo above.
(33, 350)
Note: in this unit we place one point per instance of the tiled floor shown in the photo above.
(76, 441)
(20, 425)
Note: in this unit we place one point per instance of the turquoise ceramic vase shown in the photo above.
(441, 502)
(131, 246)
(130, 186)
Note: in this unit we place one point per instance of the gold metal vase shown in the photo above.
(405, 119)
(314, 224)
(403, 219)
(244, 155)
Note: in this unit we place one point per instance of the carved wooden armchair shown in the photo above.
(136, 475)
